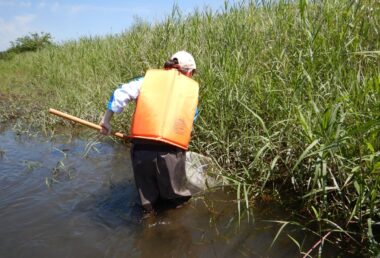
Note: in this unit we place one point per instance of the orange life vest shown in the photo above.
(165, 108)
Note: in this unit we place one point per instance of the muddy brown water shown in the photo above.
(63, 197)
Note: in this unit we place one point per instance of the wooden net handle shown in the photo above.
(83, 122)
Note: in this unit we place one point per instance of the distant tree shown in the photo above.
(31, 42)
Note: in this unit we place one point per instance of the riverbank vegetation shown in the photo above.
(289, 101)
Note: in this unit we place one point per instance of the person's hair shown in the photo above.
(170, 64)
(173, 63)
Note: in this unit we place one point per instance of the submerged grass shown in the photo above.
(289, 99)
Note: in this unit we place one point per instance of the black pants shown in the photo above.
(159, 171)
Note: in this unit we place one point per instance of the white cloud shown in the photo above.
(25, 4)
(73, 9)
(13, 28)
(7, 3)
(19, 4)
(41, 4)
(54, 7)
(24, 20)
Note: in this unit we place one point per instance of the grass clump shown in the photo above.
(289, 99)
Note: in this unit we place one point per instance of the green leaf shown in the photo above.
(303, 155)
(376, 168)
(370, 147)
(278, 232)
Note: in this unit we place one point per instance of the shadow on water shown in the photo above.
(114, 207)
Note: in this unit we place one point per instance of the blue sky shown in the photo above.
(67, 20)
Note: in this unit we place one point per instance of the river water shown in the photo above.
(74, 196)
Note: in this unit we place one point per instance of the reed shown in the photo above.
(289, 99)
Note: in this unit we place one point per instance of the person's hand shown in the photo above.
(105, 123)
(106, 128)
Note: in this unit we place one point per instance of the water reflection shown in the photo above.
(71, 205)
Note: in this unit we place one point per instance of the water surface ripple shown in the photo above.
(56, 202)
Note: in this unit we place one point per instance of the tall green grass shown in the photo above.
(289, 99)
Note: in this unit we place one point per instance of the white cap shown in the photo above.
(185, 60)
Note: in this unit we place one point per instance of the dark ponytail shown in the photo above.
(170, 64)
(173, 64)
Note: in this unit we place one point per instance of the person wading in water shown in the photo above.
(161, 127)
